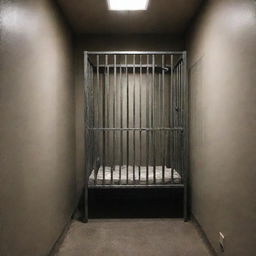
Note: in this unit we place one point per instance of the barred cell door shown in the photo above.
(136, 112)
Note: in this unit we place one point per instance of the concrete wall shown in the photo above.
(37, 131)
(223, 123)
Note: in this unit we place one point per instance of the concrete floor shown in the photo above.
(133, 237)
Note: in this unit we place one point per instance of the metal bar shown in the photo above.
(163, 122)
(108, 112)
(140, 80)
(90, 61)
(138, 129)
(182, 118)
(137, 67)
(180, 113)
(171, 121)
(114, 121)
(178, 117)
(159, 135)
(127, 119)
(159, 116)
(165, 186)
(147, 121)
(104, 119)
(134, 113)
(135, 52)
(99, 93)
(180, 122)
(174, 122)
(93, 112)
(186, 137)
(85, 217)
(153, 117)
(178, 62)
(166, 68)
(121, 124)
(150, 186)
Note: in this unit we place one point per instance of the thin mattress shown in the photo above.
(137, 177)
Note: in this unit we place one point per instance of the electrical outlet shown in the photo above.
(221, 241)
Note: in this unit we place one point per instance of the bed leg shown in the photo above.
(85, 217)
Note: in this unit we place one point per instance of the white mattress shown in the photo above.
(117, 179)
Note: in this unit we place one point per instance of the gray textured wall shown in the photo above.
(223, 123)
(37, 131)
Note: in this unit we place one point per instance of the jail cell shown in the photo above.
(135, 114)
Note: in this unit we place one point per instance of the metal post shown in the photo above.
(134, 113)
(121, 124)
(152, 117)
(147, 119)
(92, 115)
(178, 118)
(162, 119)
(127, 119)
(85, 219)
(108, 113)
(114, 121)
(172, 119)
(186, 137)
(104, 117)
(99, 93)
(140, 118)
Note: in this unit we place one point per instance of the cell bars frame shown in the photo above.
(171, 131)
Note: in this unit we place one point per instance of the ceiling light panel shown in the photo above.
(127, 5)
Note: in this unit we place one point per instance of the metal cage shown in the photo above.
(136, 119)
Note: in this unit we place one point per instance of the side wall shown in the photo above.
(37, 131)
(223, 123)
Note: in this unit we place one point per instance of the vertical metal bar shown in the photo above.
(98, 123)
(178, 117)
(152, 117)
(127, 119)
(108, 113)
(121, 123)
(163, 116)
(114, 121)
(174, 120)
(171, 119)
(159, 100)
(140, 118)
(147, 119)
(93, 116)
(182, 113)
(177, 121)
(85, 218)
(180, 123)
(186, 136)
(134, 113)
(104, 115)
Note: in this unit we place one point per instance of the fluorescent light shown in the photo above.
(127, 5)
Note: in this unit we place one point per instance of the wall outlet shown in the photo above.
(221, 241)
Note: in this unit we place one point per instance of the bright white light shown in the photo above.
(127, 5)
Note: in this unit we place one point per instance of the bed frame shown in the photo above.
(136, 121)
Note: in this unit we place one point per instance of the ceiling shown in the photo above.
(162, 16)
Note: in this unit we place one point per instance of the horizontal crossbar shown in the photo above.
(127, 186)
(135, 52)
(137, 129)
